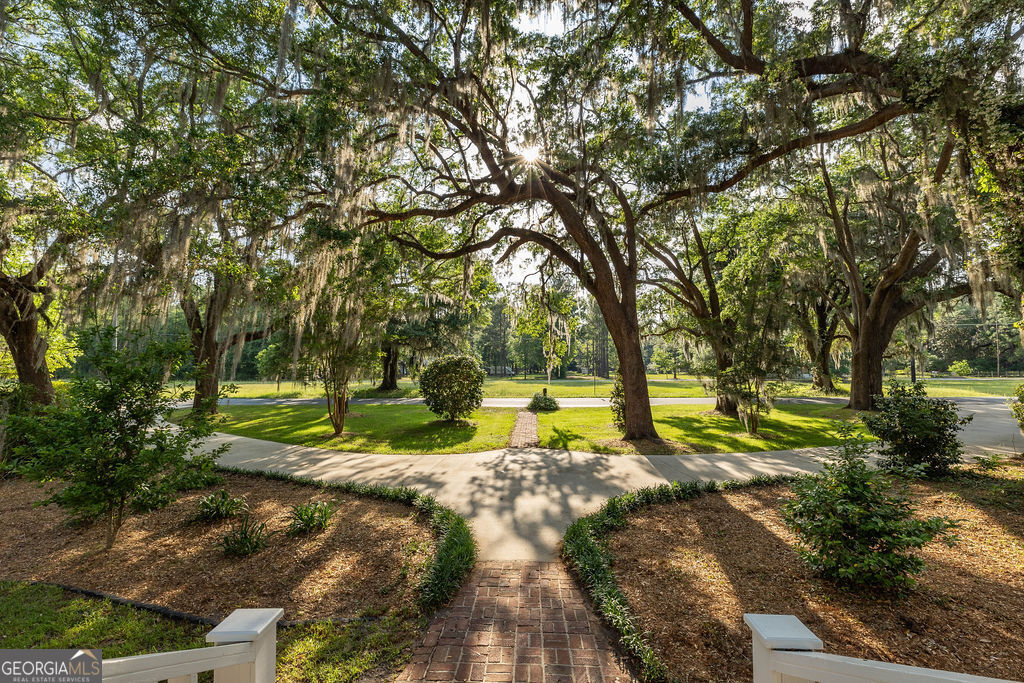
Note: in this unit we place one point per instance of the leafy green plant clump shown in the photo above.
(856, 524)
(961, 368)
(453, 386)
(618, 403)
(219, 505)
(1017, 405)
(245, 538)
(542, 403)
(915, 430)
(109, 444)
(308, 518)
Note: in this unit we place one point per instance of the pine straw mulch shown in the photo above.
(691, 570)
(366, 563)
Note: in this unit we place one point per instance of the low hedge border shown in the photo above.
(585, 550)
(456, 549)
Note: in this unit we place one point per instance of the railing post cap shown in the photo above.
(782, 632)
(245, 625)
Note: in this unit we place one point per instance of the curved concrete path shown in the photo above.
(519, 500)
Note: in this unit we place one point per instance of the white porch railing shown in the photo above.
(785, 652)
(244, 651)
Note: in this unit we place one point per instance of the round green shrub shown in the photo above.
(915, 430)
(857, 525)
(542, 403)
(961, 368)
(453, 386)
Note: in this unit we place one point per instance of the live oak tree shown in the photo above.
(55, 136)
(817, 322)
(898, 252)
(720, 269)
(433, 308)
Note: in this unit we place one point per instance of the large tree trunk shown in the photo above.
(206, 355)
(19, 324)
(638, 418)
(866, 367)
(724, 404)
(389, 363)
(623, 327)
(821, 373)
(206, 352)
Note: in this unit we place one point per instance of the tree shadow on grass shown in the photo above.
(720, 433)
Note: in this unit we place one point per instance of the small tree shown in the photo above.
(109, 446)
(916, 430)
(856, 524)
(961, 368)
(453, 386)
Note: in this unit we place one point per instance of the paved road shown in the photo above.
(519, 501)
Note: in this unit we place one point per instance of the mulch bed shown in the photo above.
(690, 570)
(366, 563)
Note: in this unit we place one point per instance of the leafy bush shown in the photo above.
(245, 538)
(618, 403)
(109, 444)
(990, 462)
(453, 386)
(961, 368)
(219, 506)
(309, 517)
(1017, 405)
(856, 525)
(542, 403)
(916, 430)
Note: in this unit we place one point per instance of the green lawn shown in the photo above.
(659, 386)
(372, 428)
(788, 426)
(33, 616)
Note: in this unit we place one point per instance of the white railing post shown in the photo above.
(256, 626)
(777, 632)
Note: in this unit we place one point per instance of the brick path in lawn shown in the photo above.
(517, 621)
(524, 433)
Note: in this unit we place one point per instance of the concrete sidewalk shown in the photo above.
(519, 500)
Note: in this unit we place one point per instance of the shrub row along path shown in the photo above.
(519, 616)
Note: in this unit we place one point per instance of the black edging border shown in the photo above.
(184, 616)
(453, 559)
(585, 551)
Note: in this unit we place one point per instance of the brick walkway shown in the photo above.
(516, 621)
(524, 433)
